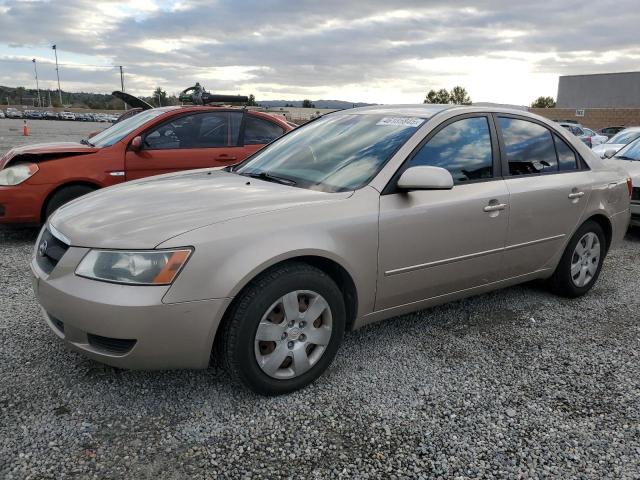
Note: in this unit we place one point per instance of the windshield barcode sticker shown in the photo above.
(401, 121)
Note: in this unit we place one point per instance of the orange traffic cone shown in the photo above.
(25, 129)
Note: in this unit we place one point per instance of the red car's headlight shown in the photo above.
(16, 174)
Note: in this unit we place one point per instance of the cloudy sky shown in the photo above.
(379, 51)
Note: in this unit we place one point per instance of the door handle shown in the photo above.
(224, 156)
(495, 207)
(573, 195)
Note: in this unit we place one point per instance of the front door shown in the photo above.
(185, 142)
(442, 241)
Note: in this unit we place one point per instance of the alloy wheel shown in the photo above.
(585, 259)
(293, 334)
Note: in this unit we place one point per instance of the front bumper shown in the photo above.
(125, 326)
(22, 203)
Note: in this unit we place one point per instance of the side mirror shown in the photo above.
(610, 153)
(136, 144)
(425, 178)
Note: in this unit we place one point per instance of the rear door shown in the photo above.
(257, 132)
(549, 186)
(434, 242)
(187, 141)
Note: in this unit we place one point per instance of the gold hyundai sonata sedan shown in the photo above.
(358, 216)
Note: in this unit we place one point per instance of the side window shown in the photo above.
(218, 129)
(258, 131)
(200, 130)
(463, 148)
(566, 158)
(529, 147)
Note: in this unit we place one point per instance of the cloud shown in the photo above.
(500, 50)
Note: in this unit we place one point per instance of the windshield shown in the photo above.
(624, 137)
(335, 153)
(118, 131)
(630, 152)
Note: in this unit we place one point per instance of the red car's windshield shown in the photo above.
(117, 132)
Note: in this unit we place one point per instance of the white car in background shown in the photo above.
(67, 116)
(13, 113)
(615, 143)
(1, 114)
(588, 136)
(628, 158)
(596, 138)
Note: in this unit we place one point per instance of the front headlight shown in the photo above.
(17, 174)
(152, 267)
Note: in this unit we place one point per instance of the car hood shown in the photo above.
(603, 147)
(145, 213)
(41, 151)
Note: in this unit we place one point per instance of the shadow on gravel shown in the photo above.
(633, 234)
(16, 234)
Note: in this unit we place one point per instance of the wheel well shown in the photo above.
(605, 224)
(342, 278)
(43, 210)
(335, 271)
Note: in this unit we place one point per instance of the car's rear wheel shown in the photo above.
(65, 195)
(581, 263)
(284, 329)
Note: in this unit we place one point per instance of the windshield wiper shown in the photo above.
(622, 157)
(268, 177)
(84, 141)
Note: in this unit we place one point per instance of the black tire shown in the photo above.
(561, 282)
(240, 325)
(65, 195)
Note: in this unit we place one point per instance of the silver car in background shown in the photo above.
(628, 158)
(615, 143)
(358, 216)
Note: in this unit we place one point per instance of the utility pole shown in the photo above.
(55, 51)
(35, 69)
(50, 98)
(122, 86)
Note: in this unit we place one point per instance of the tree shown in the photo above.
(252, 101)
(459, 96)
(160, 97)
(307, 104)
(544, 102)
(442, 96)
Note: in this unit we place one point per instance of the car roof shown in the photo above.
(422, 111)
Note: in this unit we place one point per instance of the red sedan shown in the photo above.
(35, 180)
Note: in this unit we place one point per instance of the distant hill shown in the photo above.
(334, 104)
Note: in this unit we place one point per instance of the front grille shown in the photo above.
(111, 345)
(635, 194)
(50, 251)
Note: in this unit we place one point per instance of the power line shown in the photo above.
(20, 60)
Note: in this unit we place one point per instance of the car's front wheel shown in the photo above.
(581, 262)
(284, 329)
(65, 195)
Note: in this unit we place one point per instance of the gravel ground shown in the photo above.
(514, 384)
